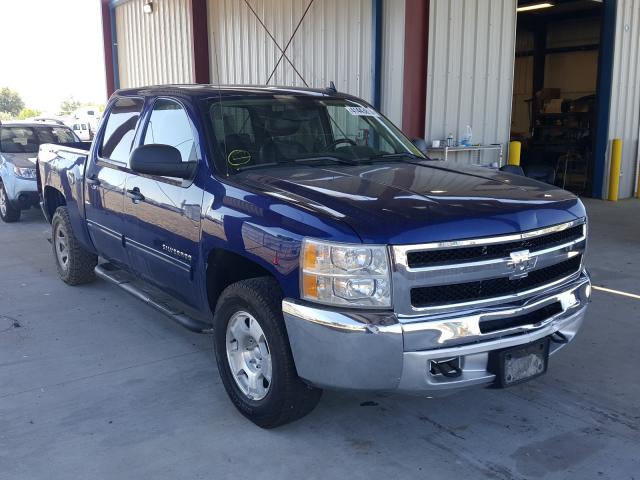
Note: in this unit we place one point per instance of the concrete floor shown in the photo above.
(95, 385)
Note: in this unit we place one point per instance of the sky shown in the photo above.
(52, 49)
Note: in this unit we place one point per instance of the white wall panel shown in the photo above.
(154, 48)
(624, 117)
(470, 69)
(393, 59)
(333, 43)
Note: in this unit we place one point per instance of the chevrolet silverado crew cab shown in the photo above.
(19, 142)
(317, 244)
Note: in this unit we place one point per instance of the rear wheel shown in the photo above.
(254, 357)
(8, 212)
(75, 264)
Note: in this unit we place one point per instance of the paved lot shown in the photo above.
(95, 385)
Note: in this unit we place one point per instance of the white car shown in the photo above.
(19, 144)
(83, 130)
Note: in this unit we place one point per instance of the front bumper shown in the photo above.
(21, 192)
(382, 351)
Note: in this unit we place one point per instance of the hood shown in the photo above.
(23, 160)
(406, 203)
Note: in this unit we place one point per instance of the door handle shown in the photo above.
(92, 180)
(135, 195)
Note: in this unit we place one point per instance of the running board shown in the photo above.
(153, 297)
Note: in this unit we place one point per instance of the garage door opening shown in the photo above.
(556, 90)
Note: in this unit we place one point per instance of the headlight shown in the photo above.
(24, 172)
(345, 274)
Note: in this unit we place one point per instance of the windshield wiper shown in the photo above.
(257, 165)
(396, 156)
(327, 157)
(298, 161)
(302, 161)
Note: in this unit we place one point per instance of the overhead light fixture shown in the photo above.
(148, 7)
(534, 6)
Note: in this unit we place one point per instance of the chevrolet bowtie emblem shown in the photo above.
(521, 264)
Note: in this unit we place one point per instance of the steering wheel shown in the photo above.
(335, 143)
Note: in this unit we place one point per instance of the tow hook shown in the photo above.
(559, 337)
(449, 368)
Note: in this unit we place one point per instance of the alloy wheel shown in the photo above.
(3, 202)
(61, 243)
(248, 355)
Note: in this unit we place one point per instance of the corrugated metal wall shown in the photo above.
(624, 118)
(470, 69)
(393, 59)
(333, 43)
(157, 47)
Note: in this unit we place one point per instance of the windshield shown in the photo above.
(281, 130)
(28, 139)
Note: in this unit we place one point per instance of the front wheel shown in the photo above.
(254, 357)
(75, 264)
(8, 212)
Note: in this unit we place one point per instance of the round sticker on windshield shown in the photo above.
(237, 158)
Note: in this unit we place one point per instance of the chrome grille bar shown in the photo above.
(477, 270)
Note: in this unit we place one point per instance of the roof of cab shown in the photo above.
(201, 90)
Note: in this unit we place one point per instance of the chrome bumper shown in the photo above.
(382, 351)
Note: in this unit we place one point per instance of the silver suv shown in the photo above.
(19, 144)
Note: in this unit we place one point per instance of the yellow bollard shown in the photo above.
(514, 153)
(614, 175)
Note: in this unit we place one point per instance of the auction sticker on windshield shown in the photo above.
(362, 111)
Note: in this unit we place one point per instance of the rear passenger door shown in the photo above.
(106, 176)
(162, 214)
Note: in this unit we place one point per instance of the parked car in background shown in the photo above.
(57, 121)
(88, 114)
(317, 244)
(19, 143)
(82, 129)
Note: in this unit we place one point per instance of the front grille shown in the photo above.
(495, 287)
(425, 258)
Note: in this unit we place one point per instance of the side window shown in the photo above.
(55, 135)
(169, 125)
(120, 129)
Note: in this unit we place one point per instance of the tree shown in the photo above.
(5, 116)
(10, 101)
(28, 113)
(69, 105)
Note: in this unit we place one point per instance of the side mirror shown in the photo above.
(161, 160)
(421, 144)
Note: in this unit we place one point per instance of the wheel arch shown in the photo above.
(225, 267)
(52, 198)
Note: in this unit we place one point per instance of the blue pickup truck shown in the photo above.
(317, 244)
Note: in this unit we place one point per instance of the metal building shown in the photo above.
(431, 66)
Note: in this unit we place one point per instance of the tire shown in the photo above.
(8, 212)
(75, 264)
(287, 397)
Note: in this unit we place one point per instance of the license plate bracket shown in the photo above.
(519, 364)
